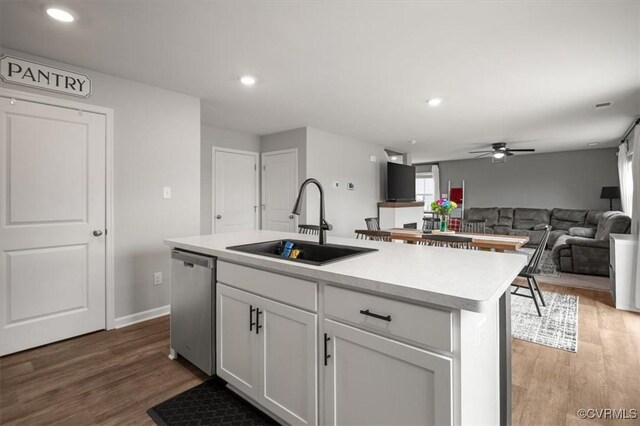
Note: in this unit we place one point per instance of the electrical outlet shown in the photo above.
(166, 192)
(336, 184)
(157, 278)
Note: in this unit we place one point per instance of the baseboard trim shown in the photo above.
(141, 316)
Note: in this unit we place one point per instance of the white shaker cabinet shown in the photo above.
(268, 351)
(372, 380)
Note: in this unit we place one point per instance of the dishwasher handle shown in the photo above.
(190, 259)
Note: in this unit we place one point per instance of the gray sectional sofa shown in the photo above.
(579, 239)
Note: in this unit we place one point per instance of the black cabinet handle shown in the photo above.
(371, 314)
(251, 323)
(258, 326)
(326, 354)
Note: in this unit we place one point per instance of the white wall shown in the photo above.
(571, 180)
(157, 143)
(223, 139)
(338, 158)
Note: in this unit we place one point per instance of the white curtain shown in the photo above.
(435, 172)
(625, 174)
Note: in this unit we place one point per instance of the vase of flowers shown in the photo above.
(443, 208)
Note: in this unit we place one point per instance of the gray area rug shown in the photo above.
(558, 326)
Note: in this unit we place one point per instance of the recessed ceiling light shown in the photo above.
(61, 14)
(413, 142)
(592, 143)
(248, 80)
(434, 102)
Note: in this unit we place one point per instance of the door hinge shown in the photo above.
(255, 167)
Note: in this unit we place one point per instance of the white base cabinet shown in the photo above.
(268, 351)
(372, 380)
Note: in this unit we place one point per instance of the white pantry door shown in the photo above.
(235, 206)
(279, 190)
(52, 224)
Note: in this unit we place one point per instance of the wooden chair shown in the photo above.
(453, 241)
(373, 224)
(308, 229)
(367, 234)
(473, 226)
(529, 272)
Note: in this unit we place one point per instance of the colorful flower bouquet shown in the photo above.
(443, 208)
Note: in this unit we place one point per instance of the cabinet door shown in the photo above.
(288, 362)
(237, 345)
(371, 380)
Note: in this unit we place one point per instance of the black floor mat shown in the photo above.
(209, 403)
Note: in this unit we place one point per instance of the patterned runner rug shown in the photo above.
(558, 326)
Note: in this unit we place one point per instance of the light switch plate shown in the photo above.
(372, 158)
(166, 192)
(351, 186)
(157, 278)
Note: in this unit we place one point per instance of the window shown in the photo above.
(424, 189)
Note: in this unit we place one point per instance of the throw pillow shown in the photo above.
(582, 232)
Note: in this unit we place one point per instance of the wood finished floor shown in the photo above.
(113, 377)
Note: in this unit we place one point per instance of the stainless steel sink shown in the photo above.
(310, 252)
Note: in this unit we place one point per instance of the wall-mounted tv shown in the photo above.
(401, 182)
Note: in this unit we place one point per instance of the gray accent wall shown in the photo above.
(571, 179)
(156, 144)
(222, 139)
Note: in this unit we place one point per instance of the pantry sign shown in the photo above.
(28, 73)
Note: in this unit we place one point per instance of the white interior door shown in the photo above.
(235, 205)
(52, 224)
(279, 190)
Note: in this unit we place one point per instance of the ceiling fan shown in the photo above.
(499, 151)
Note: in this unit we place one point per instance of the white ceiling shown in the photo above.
(508, 71)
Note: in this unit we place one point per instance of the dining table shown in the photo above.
(495, 242)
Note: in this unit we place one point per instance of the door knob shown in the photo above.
(218, 217)
(97, 233)
(291, 216)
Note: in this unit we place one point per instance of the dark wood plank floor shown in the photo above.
(113, 377)
(108, 377)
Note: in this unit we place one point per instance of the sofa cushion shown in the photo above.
(554, 235)
(612, 222)
(540, 227)
(505, 216)
(567, 218)
(579, 231)
(490, 214)
(528, 218)
(534, 236)
(593, 216)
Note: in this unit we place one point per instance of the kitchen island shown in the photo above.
(402, 335)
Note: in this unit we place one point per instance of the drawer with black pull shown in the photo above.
(421, 324)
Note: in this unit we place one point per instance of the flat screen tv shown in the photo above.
(401, 182)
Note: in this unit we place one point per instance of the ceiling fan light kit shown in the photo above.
(499, 152)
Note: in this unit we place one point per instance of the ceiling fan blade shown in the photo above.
(480, 152)
(508, 153)
(483, 155)
(521, 150)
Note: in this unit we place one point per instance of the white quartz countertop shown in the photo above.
(454, 278)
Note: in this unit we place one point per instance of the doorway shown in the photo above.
(279, 190)
(55, 194)
(235, 191)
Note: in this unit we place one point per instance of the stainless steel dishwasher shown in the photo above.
(193, 278)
